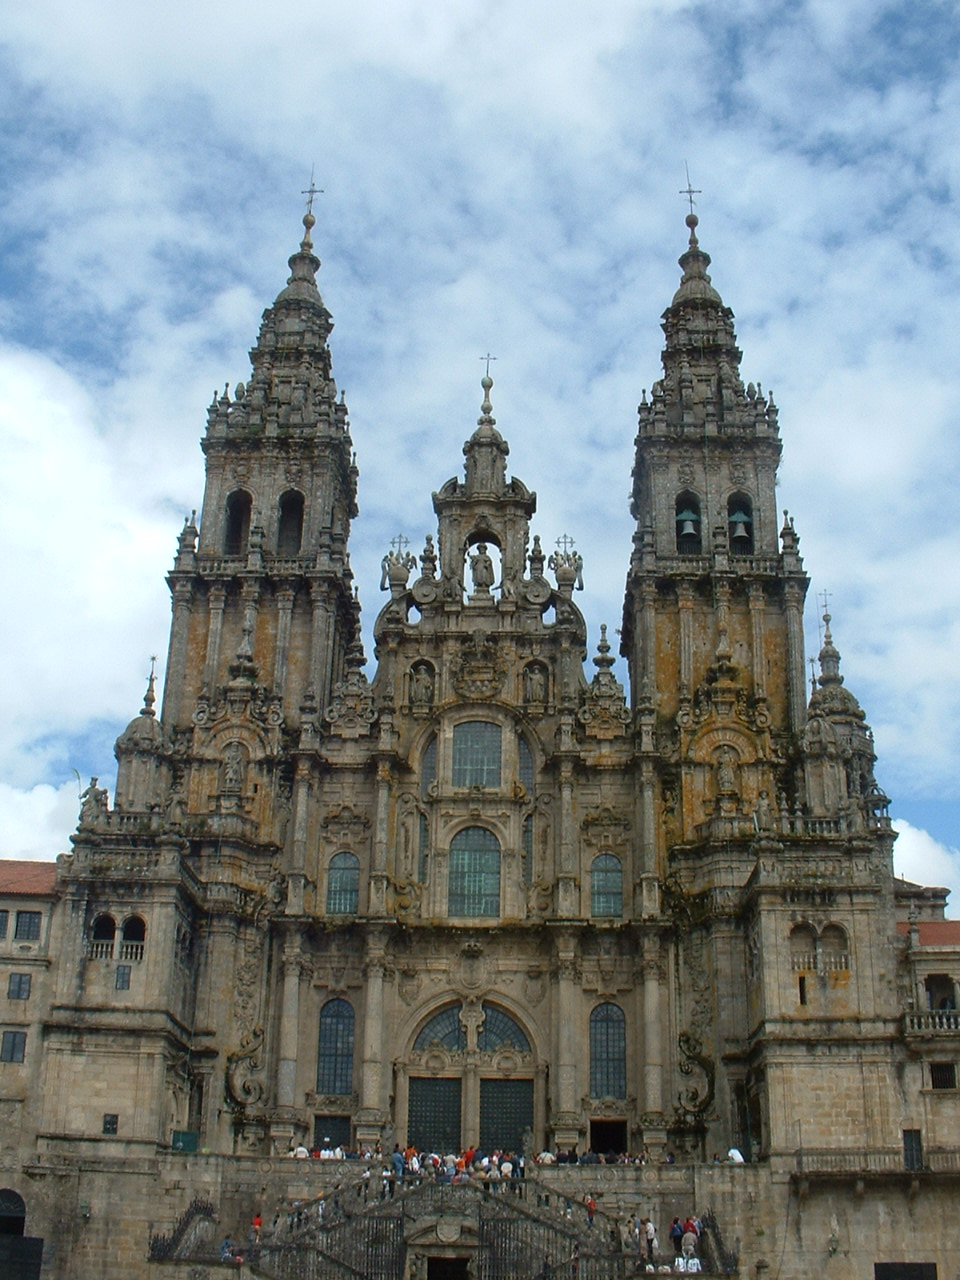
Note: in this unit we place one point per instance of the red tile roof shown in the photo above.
(17, 876)
(934, 933)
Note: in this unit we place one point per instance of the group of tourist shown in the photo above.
(684, 1236)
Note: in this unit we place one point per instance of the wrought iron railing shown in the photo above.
(161, 1248)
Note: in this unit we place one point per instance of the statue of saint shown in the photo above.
(481, 566)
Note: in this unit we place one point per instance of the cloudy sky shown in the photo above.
(502, 177)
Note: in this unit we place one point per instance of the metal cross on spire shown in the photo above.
(488, 357)
(399, 543)
(311, 191)
(565, 543)
(689, 191)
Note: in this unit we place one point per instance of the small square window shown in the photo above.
(28, 926)
(13, 1045)
(4, 917)
(123, 977)
(18, 987)
(110, 1122)
(943, 1075)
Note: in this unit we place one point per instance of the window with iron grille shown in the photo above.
(476, 754)
(122, 981)
(474, 873)
(606, 886)
(13, 1046)
(943, 1075)
(343, 885)
(28, 926)
(335, 1049)
(110, 1123)
(18, 987)
(608, 1052)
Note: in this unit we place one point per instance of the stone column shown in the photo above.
(371, 1116)
(290, 969)
(685, 610)
(319, 647)
(756, 599)
(296, 875)
(566, 1121)
(378, 871)
(211, 664)
(648, 596)
(177, 653)
(285, 598)
(797, 686)
(653, 1118)
(568, 897)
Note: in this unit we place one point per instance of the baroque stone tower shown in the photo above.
(484, 898)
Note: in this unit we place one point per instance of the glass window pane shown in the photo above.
(608, 1052)
(526, 766)
(476, 754)
(18, 987)
(343, 885)
(444, 1029)
(499, 1031)
(606, 886)
(474, 873)
(28, 925)
(13, 1046)
(428, 768)
(335, 1051)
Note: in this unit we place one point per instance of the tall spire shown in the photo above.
(486, 450)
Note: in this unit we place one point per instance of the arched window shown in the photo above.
(740, 524)
(689, 539)
(834, 950)
(102, 939)
(343, 885)
(500, 1031)
(803, 948)
(290, 529)
(444, 1029)
(132, 938)
(606, 886)
(13, 1212)
(237, 530)
(335, 1049)
(474, 873)
(476, 754)
(608, 1052)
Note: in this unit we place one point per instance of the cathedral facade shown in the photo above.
(484, 897)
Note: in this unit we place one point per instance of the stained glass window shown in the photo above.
(335, 1051)
(476, 754)
(608, 1052)
(500, 1031)
(343, 885)
(445, 1029)
(474, 873)
(606, 886)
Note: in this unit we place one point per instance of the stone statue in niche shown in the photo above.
(534, 683)
(233, 769)
(421, 685)
(481, 566)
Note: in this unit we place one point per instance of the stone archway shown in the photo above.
(13, 1213)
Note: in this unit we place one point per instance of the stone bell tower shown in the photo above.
(712, 626)
(266, 584)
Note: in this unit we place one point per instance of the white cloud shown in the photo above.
(917, 856)
(499, 179)
(36, 821)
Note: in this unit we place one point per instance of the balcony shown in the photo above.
(938, 1022)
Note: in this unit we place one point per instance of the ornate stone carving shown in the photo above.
(245, 1086)
(480, 670)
